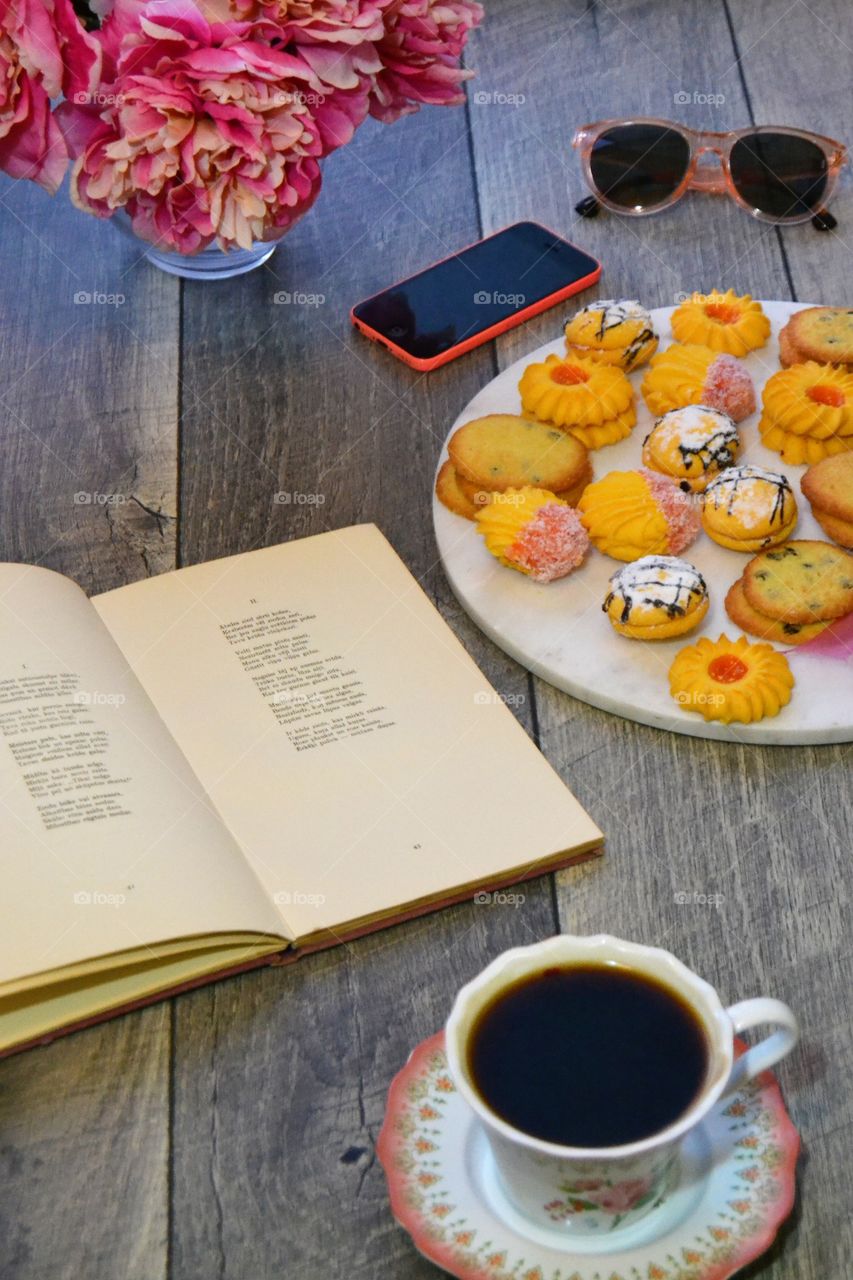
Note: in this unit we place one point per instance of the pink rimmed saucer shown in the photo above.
(735, 1188)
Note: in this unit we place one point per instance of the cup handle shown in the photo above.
(760, 1057)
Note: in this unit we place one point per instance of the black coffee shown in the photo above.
(588, 1055)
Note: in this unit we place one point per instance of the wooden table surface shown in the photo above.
(230, 1133)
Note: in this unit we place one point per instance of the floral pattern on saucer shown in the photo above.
(423, 1107)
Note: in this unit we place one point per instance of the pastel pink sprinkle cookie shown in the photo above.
(683, 514)
(729, 387)
(550, 545)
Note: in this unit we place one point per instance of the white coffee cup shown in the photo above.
(615, 1185)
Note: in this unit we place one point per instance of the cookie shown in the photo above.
(802, 581)
(797, 449)
(579, 394)
(731, 680)
(824, 334)
(656, 598)
(693, 374)
(629, 514)
(721, 321)
(828, 485)
(503, 451)
(748, 509)
(612, 332)
(448, 491)
(531, 531)
(748, 619)
(478, 495)
(841, 531)
(692, 445)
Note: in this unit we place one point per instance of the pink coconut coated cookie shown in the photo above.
(729, 388)
(551, 545)
(533, 531)
(683, 514)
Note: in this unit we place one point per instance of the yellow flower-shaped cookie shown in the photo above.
(731, 680)
(807, 412)
(593, 402)
(721, 321)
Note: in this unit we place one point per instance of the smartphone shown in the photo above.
(475, 294)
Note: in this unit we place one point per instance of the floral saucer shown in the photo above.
(734, 1189)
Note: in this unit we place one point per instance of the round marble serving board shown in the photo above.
(558, 629)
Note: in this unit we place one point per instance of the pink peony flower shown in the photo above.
(420, 53)
(209, 132)
(205, 120)
(44, 52)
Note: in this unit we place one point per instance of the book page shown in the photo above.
(353, 748)
(107, 841)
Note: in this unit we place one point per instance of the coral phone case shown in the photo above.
(426, 363)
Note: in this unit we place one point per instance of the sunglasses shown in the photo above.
(643, 166)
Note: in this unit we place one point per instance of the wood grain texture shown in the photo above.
(88, 400)
(84, 1148)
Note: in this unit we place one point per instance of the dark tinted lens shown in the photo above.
(639, 165)
(779, 174)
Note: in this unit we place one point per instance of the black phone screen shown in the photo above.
(455, 299)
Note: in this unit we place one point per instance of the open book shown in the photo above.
(240, 760)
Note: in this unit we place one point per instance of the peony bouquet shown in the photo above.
(206, 121)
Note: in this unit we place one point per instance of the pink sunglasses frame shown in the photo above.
(714, 181)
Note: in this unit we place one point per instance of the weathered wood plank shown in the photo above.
(281, 1076)
(88, 397)
(88, 400)
(84, 1148)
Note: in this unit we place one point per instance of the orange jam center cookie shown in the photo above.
(831, 396)
(726, 314)
(568, 375)
(727, 669)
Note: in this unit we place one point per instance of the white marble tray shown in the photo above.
(559, 631)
